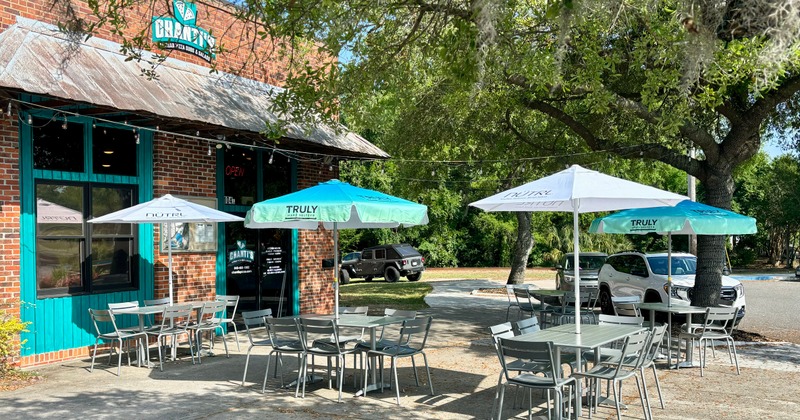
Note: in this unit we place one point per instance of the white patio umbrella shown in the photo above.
(578, 190)
(169, 210)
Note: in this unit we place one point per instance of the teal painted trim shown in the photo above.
(295, 255)
(60, 323)
(222, 279)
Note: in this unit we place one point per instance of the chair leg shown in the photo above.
(119, 358)
(235, 336)
(300, 375)
(658, 387)
(94, 353)
(500, 401)
(735, 357)
(414, 368)
(247, 362)
(428, 370)
(646, 396)
(616, 400)
(396, 382)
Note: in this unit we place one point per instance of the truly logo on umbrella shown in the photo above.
(301, 212)
(528, 194)
(643, 225)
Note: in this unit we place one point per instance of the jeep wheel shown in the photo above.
(368, 279)
(414, 277)
(604, 300)
(391, 274)
(344, 277)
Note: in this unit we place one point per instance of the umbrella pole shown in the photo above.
(575, 264)
(669, 269)
(336, 268)
(169, 259)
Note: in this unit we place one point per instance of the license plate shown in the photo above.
(414, 263)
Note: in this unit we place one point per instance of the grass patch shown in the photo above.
(379, 295)
(486, 273)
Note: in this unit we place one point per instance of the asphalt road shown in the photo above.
(772, 309)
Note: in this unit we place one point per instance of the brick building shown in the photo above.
(84, 133)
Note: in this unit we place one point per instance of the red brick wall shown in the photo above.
(9, 214)
(182, 167)
(316, 283)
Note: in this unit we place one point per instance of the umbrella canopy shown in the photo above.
(686, 218)
(337, 205)
(169, 210)
(578, 190)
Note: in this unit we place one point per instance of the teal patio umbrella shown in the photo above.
(336, 205)
(686, 218)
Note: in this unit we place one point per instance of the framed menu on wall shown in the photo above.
(191, 237)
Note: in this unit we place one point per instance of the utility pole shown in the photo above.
(692, 196)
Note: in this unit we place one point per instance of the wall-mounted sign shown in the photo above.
(181, 33)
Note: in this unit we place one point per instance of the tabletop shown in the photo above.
(142, 310)
(675, 309)
(548, 292)
(591, 335)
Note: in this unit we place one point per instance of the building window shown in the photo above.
(277, 178)
(112, 149)
(57, 145)
(65, 250)
(240, 177)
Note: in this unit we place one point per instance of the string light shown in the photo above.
(64, 125)
(30, 119)
(137, 138)
(270, 157)
(209, 149)
(94, 124)
(9, 109)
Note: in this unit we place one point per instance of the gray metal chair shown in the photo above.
(154, 302)
(211, 316)
(411, 342)
(115, 334)
(230, 301)
(284, 336)
(526, 325)
(719, 324)
(551, 380)
(255, 322)
(117, 306)
(174, 323)
(320, 337)
(512, 299)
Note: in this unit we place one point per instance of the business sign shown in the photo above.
(182, 33)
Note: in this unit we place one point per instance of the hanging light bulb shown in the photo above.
(330, 168)
(158, 128)
(30, 119)
(209, 149)
(94, 124)
(64, 124)
(9, 109)
(137, 138)
(270, 157)
(197, 133)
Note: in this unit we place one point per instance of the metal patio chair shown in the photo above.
(320, 337)
(719, 324)
(230, 301)
(211, 316)
(284, 336)
(121, 336)
(255, 323)
(174, 323)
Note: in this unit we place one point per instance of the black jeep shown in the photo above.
(387, 261)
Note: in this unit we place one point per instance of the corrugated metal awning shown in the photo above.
(34, 59)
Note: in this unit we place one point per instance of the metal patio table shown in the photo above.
(687, 310)
(142, 312)
(592, 337)
(372, 323)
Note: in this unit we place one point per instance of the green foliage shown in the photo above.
(10, 328)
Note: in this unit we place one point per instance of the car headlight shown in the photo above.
(679, 292)
(739, 290)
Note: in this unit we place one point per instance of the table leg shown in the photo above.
(688, 363)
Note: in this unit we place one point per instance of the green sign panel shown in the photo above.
(181, 33)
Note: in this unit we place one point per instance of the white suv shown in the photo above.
(645, 276)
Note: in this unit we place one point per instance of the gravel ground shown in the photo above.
(464, 369)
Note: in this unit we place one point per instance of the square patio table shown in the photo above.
(370, 322)
(591, 338)
(142, 311)
(674, 309)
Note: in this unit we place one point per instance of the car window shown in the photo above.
(637, 266)
(406, 251)
(392, 254)
(366, 255)
(593, 262)
(680, 265)
(619, 263)
(380, 254)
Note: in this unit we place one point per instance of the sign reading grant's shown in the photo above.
(181, 33)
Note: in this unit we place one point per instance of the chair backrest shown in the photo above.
(720, 319)
(284, 332)
(358, 310)
(504, 330)
(414, 333)
(123, 305)
(319, 335)
(620, 320)
(400, 313)
(626, 305)
(526, 325)
(512, 300)
(230, 301)
(154, 302)
(100, 316)
(634, 350)
(177, 316)
(254, 320)
(535, 352)
(212, 311)
(657, 338)
(523, 297)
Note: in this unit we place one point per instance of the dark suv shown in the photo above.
(387, 261)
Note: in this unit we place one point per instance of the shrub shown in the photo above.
(9, 328)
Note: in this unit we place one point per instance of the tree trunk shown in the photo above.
(522, 248)
(711, 248)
